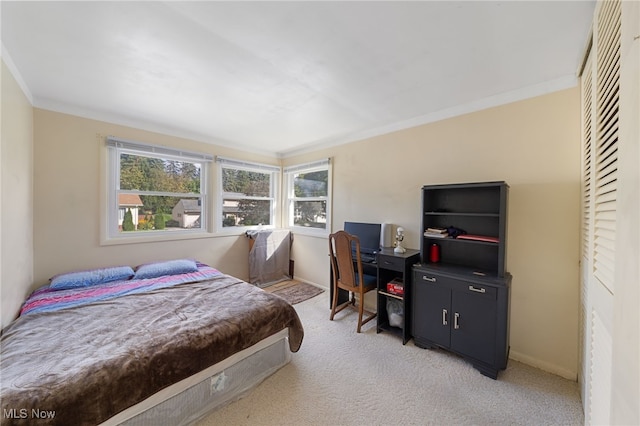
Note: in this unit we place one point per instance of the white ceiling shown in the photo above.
(283, 77)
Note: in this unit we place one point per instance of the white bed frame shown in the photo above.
(193, 398)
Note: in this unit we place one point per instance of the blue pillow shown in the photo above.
(169, 267)
(91, 277)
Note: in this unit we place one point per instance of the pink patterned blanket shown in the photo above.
(46, 299)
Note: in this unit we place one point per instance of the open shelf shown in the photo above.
(391, 329)
(459, 241)
(395, 296)
(473, 209)
(461, 214)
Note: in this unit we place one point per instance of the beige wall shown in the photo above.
(16, 220)
(534, 145)
(67, 194)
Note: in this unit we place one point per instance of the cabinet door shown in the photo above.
(431, 311)
(473, 323)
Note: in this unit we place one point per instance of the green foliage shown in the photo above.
(229, 221)
(254, 212)
(145, 224)
(127, 223)
(159, 221)
(253, 184)
(311, 213)
(313, 184)
(153, 174)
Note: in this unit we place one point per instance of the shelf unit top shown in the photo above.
(466, 185)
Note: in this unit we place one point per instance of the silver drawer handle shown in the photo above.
(456, 318)
(426, 278)
(477, 289)
(444, 317)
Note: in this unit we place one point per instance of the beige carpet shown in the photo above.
(340, 377)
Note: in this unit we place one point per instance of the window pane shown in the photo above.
(154, 174)
(159, 213)
(253, 184)
(312, 214)
(246, 212)
(312, 184)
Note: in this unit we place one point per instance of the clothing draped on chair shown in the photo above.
(269, 256)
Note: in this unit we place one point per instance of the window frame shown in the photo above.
(289, 173)
(115, 147)
(274, 172)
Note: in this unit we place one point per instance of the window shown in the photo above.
(309, 196)
(248, 193)
(154, 190)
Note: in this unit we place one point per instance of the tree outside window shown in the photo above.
(155, 189)
(247, 194)
(308, 195)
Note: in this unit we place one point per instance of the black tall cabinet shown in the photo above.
(461, 301)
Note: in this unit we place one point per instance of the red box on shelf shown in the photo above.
(396, 286)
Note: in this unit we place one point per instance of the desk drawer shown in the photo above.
(455, 284)
(391, 263)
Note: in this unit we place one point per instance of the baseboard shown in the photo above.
(542, 365)
(311, 282)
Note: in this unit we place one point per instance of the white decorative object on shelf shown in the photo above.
(399, 238)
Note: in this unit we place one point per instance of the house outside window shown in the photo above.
(131, 203)
(187, 213)
(248, 193)
(149, 185)
(308, 196)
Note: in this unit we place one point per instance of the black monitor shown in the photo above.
(367, 233)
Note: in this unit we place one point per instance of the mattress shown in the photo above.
(195, 397)
(85, 364)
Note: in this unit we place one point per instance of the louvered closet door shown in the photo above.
(587, 230)
(600, 92)
(606, 142)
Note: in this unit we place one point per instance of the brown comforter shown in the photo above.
(81, 366)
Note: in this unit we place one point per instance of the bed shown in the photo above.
(164, 349)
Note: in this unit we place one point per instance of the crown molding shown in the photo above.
(13, 69)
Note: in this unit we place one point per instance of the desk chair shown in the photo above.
(346, 277)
